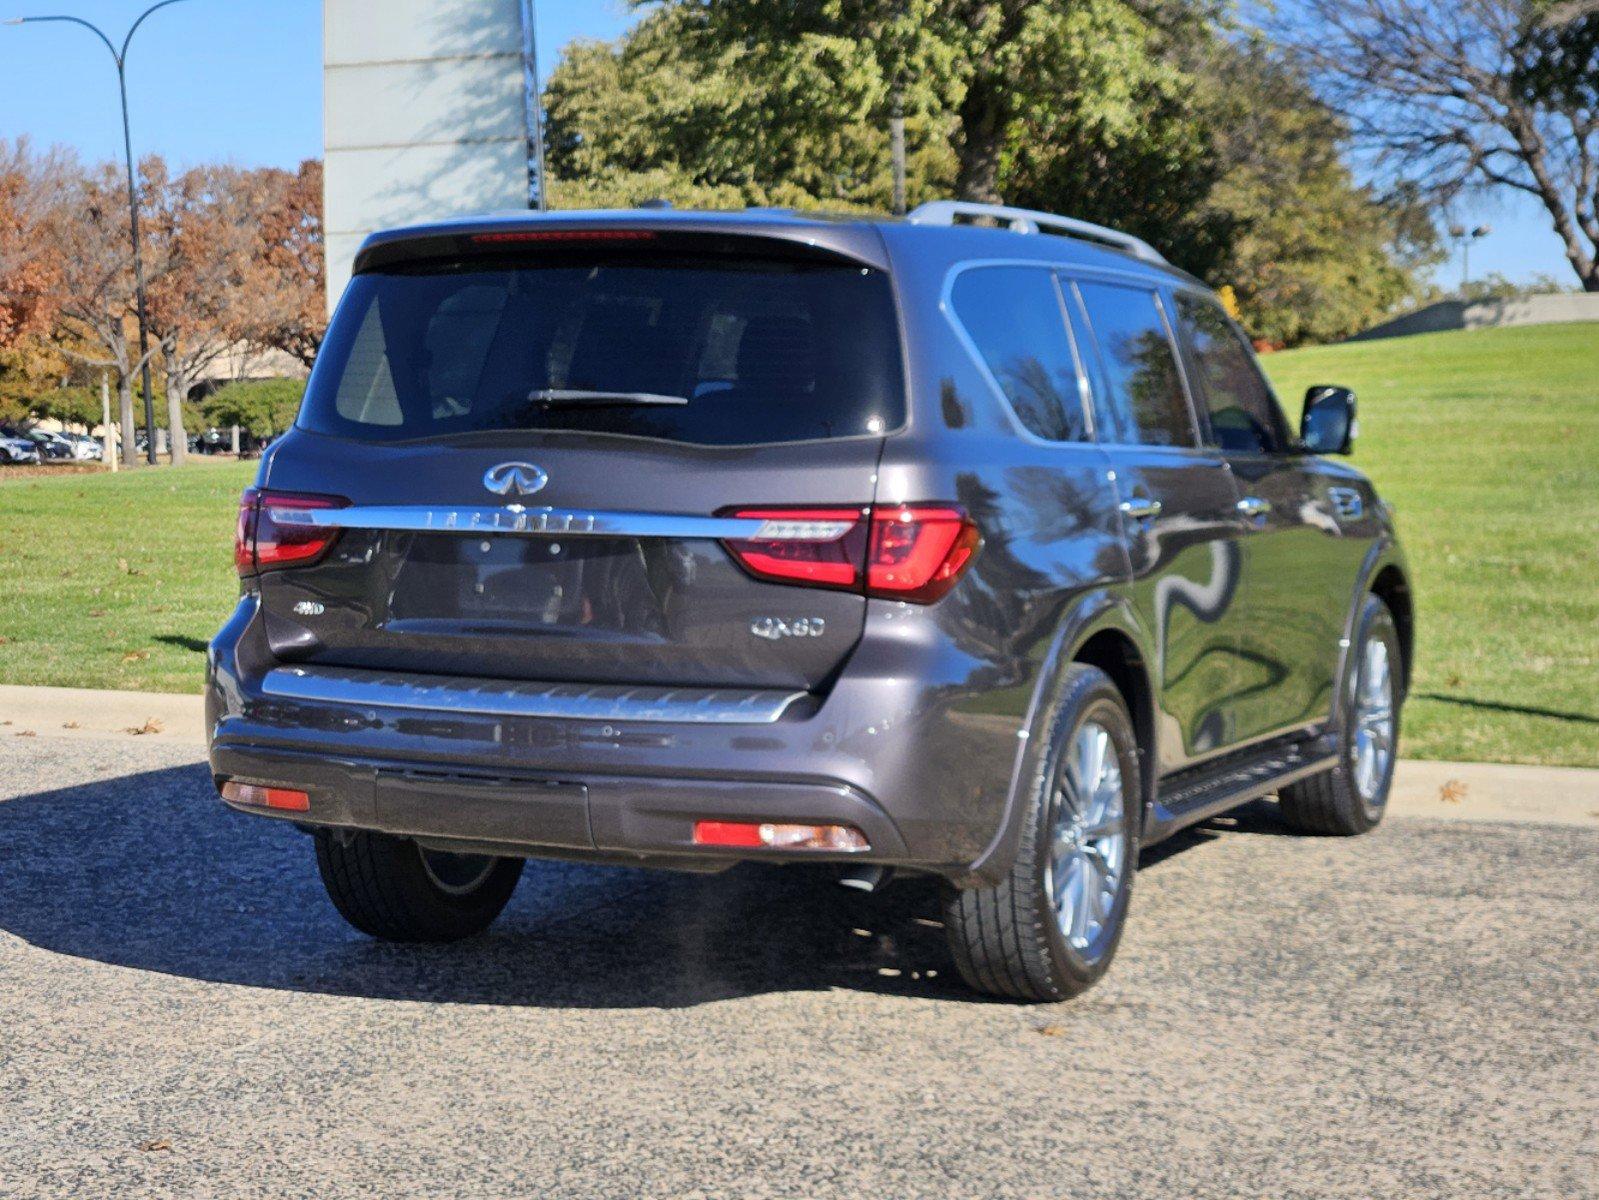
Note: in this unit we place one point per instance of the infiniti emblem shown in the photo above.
(515, 479)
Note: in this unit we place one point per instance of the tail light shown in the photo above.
(912, 552)
(268, 534)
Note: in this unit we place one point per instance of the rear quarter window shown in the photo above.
(732, 352)
(1013, 317)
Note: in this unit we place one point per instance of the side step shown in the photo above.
(1191, 796)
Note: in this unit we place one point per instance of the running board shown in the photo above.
(1191, 796)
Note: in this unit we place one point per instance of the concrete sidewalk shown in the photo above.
(1464, 791)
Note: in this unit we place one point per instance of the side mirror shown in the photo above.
(1328, 426)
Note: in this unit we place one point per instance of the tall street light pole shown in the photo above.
(1466, 237)
(120, 57)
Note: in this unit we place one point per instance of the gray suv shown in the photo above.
(974, 544)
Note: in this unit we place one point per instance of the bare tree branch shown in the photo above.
(1450, 95)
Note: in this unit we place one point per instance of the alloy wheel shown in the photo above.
(1374, 722)
(456, 874)
(1087, 841)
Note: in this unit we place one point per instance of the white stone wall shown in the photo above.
(1551, 309)
(424, 116)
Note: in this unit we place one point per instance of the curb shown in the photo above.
(84, 712)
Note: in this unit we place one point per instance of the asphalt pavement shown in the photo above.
(1410, 1014)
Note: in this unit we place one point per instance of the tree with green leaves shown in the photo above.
(1152, 116)
(262, 407)
(69, 405)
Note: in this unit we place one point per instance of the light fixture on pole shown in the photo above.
(120, 57)
(1466, 237)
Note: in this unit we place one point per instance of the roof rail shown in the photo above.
(1026, 220)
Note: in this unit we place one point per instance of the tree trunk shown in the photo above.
(982, 127)
(130, 443)
(177, 437)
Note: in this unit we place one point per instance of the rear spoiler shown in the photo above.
(533, 237)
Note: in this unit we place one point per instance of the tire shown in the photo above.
(390, 888)
(1011, 939)
(1351, 798)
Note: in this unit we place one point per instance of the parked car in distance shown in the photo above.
(86, 448)
(77, 447)
(52, 446)
(17, 450)
(974, 544)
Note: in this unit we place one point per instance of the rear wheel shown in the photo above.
(392, 888)
(1049, 929)
(1351, 798)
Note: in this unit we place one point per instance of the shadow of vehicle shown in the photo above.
(150, 872)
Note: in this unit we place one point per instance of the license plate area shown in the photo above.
(579, 582)
(527, 812)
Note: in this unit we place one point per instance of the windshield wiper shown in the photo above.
(578, 397)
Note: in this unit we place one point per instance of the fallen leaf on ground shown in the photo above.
(97, 612)
(150, 726)
(1051, 1030)
(1452, 792)
(71, 725)
(156, 1144)
(5, 641)
(25, 733)
(136, 656)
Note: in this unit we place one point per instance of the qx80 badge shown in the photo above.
(775, 629)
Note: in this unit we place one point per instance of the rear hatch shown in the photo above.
(524, 455)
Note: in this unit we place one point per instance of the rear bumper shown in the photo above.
(887, 750)
(615, 818)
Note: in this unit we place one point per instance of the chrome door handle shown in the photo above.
(1254, 506)
(1140, 508)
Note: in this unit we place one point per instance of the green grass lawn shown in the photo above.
(116, 581)
(1487, 442)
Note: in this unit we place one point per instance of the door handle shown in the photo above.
(1140, 508)
(1254, 506)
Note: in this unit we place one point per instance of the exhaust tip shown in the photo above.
(865, 878)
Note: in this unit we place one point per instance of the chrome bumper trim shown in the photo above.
(509, 698)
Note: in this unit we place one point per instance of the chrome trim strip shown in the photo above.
(515, 519)
(508, 698)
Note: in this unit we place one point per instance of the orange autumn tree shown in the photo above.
(93, 321)
(204, 234)
(284, 301)
(32, 187)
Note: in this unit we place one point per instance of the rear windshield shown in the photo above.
(712, 352)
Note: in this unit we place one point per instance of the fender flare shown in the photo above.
(1091, 613)
(1384, 553)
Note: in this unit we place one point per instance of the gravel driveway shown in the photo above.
(1414, 1013)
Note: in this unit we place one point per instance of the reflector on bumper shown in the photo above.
(285, 799)
(767, 835)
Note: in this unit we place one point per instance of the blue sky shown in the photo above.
(240, 80)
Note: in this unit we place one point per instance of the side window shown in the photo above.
(1142, 381)
(1244, 415)
(1013, 315)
